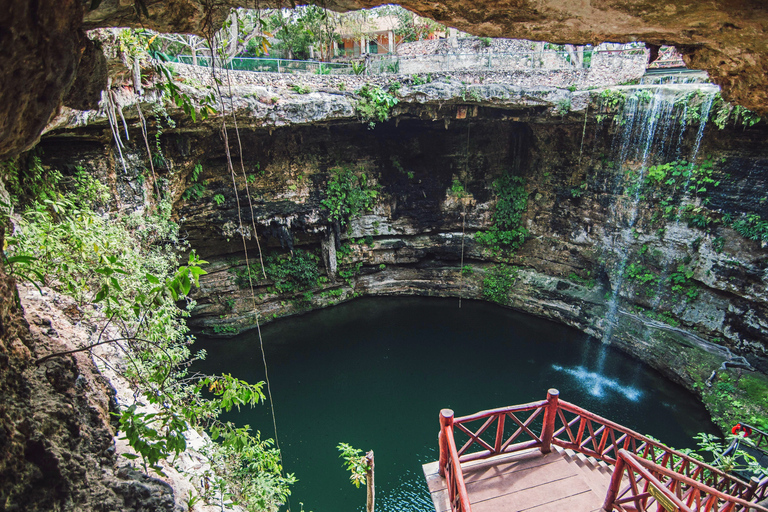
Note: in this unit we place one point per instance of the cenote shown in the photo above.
(375, 372)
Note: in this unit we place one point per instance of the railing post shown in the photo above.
(550, 413)
(749, 493)
(613, 489)
(446, 424)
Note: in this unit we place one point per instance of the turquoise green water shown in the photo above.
(376, 372)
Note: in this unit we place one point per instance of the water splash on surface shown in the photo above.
(597, 385)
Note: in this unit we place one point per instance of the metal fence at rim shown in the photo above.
(265, 64)
(389, 63)
(546, 60)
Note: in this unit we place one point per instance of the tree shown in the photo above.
(411, 27)
(302, 30)
(361, 469)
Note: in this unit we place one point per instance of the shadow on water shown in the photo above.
(375, 373)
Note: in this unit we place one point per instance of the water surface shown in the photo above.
(375, 373)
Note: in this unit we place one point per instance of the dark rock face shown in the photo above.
(42, 47)
(56, 432)
(578, 212)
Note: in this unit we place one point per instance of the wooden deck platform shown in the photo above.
(528, 481)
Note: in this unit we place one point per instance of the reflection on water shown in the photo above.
(375, 373)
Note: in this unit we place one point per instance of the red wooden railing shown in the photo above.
(600, 438)
(571, 427)
(646, 484)
(450, 467)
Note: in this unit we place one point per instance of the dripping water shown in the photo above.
(648, 131)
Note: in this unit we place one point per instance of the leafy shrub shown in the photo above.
(643, 276)
(511, 204)
(374, 105)
(348, 194)
(752, 226)
(497, 282)
(293, 273)
(683, 284)
(195, 189)
(127, 266)
(301, 89)
(27, 180)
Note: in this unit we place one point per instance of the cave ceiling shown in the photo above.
(47, 61)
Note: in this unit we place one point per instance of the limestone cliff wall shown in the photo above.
(588, 229)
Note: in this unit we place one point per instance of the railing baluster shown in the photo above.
(499, 433)
(613, 488)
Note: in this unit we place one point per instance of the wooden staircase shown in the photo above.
(562, 480)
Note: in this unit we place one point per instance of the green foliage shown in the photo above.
(153, 436)
(662, 316)
(127, 266)
(293, 273)
(722, 112)
(298, 29)
(26, 180)
(699, 179)
(683, 284)
(323, 69)
(195, 189)
(358, 68)
(643, 276)
(355, 462)
(421, 80)
(696, 216)
(219, 199)
(348, 273)
(375, 104)
(512, 202)
(579, 190)
(348, 194)
(740, 460)
(457, 189)
(588, 281)
(498, 282)
(225, 329)
(756, 390)
(752, 226)
(563, 106)
(467, 270)
(301, 89)
(612, 99)
(486, 41)
(137, 45)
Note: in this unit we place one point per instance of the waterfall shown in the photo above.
(652, 126)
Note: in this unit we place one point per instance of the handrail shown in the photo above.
(594, 436)
(603, 441)
(681, 492)
(499, 417)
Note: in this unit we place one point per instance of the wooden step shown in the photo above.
(528, 481)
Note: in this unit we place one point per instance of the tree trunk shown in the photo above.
(575, 61)
(369, 481)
